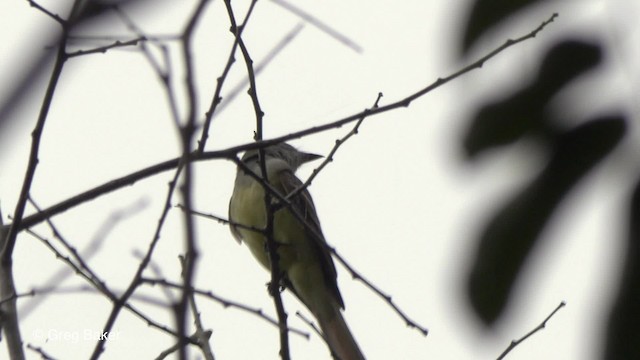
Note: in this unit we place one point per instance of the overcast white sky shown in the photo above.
(398, 201)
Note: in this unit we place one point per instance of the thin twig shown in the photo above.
(225, 303)
(343, 39)
(157, 271)
(406, 102)
(6, 250)
(81, 270)
(216, 99)
(114, 36)
(272, 246)
(318, 332)
(219, 219)
(515, 343)
(201, 335)
(253, 92)
(40, 351)
(230, 153)
(135, 281)
(50, 290)
(17, 296)
(310, 324)
(216, 102)
(193, 338)
(45, 11)
(333, 151)
(104, 49)
(274, 284)
(101, 286)
(9, 320)
(90, 250)
(187, 133)
(354, 273)
(165, 75)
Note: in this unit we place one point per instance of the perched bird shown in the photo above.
(306, 265)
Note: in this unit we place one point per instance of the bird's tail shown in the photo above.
(336, 332)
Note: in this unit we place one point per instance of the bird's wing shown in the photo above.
(303, 204)
(234, 230)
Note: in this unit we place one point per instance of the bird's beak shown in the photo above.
(306, 157)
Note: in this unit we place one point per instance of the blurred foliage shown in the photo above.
(523, 113)
(486, 13)
(512, 232)
(623, 333)
(83, 12)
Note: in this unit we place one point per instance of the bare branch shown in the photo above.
(41, 352)
(333, 151)
(187, 132)
(201, 335)
(121, 302)
(318, 332)
(8, 244)
(515, 343)
(231, 152)
(8, 236)
(165, 75)
(80, 266)
(225, 303)
(272, 246)
(101, 286)
(104, 49)
(216, 101)
(219, 219)
(8, 312)
(195, 338)
(55, 17)
(343, 39)
(407, 100)
(253, 93)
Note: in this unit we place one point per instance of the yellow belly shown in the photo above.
(248, 209)
(298, 257)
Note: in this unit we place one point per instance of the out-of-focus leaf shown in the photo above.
(623, 333)
(33, 67)
(508, 120)
(565, 61)
(487, 13)
(504, 122)
(513, 231)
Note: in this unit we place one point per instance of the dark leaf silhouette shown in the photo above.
(513, 231)
(35, 66)
(523, 113)
(623, 335)
(485, 14)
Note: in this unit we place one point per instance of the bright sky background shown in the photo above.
(398, 201)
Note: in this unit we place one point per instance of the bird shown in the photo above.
(305, 263)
